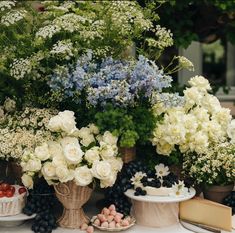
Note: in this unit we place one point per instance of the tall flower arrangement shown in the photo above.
(80, 155)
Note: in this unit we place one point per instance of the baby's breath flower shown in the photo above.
(13, 17)
(6, 5)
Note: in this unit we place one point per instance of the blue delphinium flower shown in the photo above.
(119, 82)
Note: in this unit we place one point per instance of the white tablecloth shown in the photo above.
(92, 210)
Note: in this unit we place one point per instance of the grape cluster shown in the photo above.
(115, 195)
(230, 201)
(41, 201)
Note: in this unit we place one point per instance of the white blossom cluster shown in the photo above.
(200, 122)
(81, 155)
(20, 67)
(185, 63)
(63, 48)
(23, 130)
(163, 38)
(215, 167)
(12, 17)
(47, 31)
(6, 5)
(124, 14)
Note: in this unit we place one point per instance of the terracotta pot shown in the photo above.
(128, 154)
(73, 197)
(217, 193)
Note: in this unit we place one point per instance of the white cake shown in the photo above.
(12, 205)
(162, 191)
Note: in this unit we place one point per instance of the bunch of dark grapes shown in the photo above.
(41, 201)
(115, 195)
(230, 201)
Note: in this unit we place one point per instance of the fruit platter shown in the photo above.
(111, 220)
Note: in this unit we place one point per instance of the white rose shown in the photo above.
(200, 82)
(64, 174)
(231, 131)
(27, 181)
(164, 148)
(49, 171)
(109, 138)
(55, 149)
(54, 124)
(73, 154)
(93, 128)
(59, 160)
(69, 140)
(84, 132)
(101, 170)
(33, 165)
(108, 182)
(116, 164)
(88, 140)
(83, 176)
(68, 123)
(92, 154)
(42, 152)
(108, 151)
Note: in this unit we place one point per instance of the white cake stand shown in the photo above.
(157, 211)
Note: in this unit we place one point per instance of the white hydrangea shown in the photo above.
(13, 17)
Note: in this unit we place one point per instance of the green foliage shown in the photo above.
(132, 126)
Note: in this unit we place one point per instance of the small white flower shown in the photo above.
(178, 190)
(136, 179)
(162, 170)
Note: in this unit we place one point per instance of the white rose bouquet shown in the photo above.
(81, 155)
(193, 127)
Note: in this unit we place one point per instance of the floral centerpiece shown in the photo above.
(76, 159)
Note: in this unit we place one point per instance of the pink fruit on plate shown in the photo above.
(125, 223)
(101, 217)
(110, 218)
(119, 214)
(97, 222)
(84, 226)
(112, 207)
(113, 212)
(104, 224)
(118, 225)
(117, 219)
(90, 229)
(106, 211)
(112, 224)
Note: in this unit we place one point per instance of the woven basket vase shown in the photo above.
(73, 197)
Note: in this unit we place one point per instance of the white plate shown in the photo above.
(115, 229)
(15, 220)
(160, 199)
